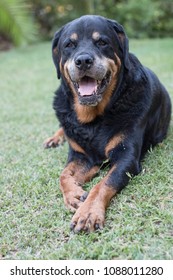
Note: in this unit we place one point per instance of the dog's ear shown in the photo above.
(56, 52)
(123, 42)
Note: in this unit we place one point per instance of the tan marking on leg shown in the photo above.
(91, 214)
(71, 180)
(75, 146)
(115, 141)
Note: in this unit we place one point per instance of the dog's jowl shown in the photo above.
(110, 107)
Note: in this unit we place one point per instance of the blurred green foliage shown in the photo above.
(144, 18)
(16, 22)
(54, 13)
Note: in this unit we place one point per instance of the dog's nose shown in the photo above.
(84, 61)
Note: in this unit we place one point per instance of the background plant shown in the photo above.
(145, 18)
(16, 22)
(20, 19)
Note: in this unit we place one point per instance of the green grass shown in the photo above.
(34, 223)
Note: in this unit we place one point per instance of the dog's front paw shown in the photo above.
(50, 143)
(88, 217)
(73, 200)
(57, 139)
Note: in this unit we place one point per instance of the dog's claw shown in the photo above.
(84, 196)
(72, 225)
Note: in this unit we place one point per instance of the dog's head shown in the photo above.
(89, 53)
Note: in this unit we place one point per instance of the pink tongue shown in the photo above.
(87, 86)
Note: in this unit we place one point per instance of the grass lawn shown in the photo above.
(34, 223)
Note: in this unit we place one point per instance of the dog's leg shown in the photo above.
(91, 214)
(57, 139)
(72, 178)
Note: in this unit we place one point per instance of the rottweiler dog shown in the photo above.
(110, 108)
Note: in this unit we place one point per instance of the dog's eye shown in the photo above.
(101, 42)
(70, 44)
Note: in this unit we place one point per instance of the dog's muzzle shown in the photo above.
(90, 77)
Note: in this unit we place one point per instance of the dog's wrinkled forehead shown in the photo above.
(88, 29)
(86, 25)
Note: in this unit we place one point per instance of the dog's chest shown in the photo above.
(84, 135)
(92, 137)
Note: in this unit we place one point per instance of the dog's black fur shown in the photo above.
(136, 115)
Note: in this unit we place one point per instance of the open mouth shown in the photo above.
(90, 90)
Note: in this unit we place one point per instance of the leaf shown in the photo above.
(16, 21)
